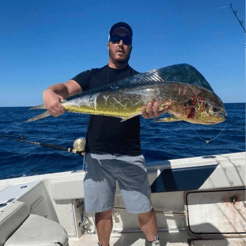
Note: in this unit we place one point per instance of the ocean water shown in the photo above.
(159, 141)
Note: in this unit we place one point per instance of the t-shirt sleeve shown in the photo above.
(83, 79)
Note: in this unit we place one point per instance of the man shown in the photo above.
(112, 147)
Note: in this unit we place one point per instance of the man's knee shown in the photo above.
(104, 215)
(149, 213)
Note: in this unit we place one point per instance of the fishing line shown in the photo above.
(210, 140)
(22, 139)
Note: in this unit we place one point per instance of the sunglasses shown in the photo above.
(116, 39)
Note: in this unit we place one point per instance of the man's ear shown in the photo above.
(108, 46)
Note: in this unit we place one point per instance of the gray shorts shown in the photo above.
(102, 171)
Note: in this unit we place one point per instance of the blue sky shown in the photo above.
(48, 42)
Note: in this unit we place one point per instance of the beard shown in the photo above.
(119, 60)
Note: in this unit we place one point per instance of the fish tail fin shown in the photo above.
(38, 107)
(40, 116)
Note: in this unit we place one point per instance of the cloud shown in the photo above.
(227, 6)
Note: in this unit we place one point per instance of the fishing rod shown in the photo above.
(78, 145)
(235, 13)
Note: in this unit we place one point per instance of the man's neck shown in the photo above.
(117, 66)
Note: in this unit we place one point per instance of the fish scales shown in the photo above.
(181, 87)
(119, 103)
(127, 104)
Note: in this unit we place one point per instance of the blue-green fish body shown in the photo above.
(180, 87)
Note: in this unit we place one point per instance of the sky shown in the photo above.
(47, 42)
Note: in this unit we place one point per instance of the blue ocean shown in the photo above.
(159, 141)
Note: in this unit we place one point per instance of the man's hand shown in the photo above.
(152, 110)
(55, 94)
(52, 102)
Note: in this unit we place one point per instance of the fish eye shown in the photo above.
(215, 109)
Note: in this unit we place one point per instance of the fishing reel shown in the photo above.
(79, 145)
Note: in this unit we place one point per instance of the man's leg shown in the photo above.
(104, 224)
(148, 224)
(133, 181)
(99, 190)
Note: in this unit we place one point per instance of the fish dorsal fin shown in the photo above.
(183, 73)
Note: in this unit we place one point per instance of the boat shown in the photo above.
(199, 201)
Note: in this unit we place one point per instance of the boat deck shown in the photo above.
(180, 238)
(134, 239)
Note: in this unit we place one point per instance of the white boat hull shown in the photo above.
(198, 201)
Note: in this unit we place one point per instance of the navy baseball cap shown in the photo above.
(120, 27)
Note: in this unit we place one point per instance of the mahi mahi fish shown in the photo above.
(181, 87)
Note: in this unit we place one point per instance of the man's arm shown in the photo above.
(56, 93)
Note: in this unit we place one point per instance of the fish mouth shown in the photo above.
(221, 117)
(221, 114)
(225, 115)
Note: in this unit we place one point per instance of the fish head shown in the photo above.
(194, 104)
(210, 111)
(218, 113)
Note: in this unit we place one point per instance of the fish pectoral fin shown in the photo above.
(123, 119)
(40, 116)
(167, 119)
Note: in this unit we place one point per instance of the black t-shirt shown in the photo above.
(108, 134)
